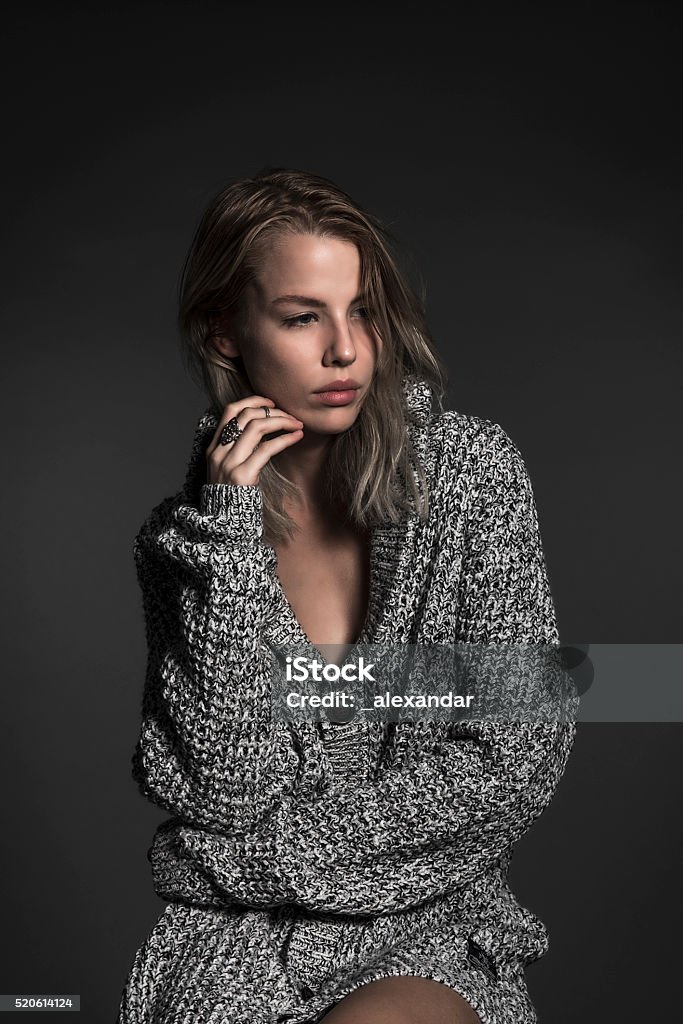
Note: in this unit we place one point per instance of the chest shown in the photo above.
(327, 581)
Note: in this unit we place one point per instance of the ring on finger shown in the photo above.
(230, 432)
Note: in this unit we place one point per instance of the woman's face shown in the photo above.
(308, 327)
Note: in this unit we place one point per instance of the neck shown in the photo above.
(303, 464)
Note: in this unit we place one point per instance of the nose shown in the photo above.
(340, 348)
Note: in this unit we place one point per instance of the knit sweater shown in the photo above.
(304, 859)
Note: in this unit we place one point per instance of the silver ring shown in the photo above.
(230, 432)
(266, 410)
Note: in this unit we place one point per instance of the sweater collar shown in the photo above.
(418, 395)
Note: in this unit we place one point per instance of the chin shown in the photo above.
(328, 429)
(341, 419)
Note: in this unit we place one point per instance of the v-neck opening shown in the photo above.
(371, 616)
(390, 547)
(390, 544)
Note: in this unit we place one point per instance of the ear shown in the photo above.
(222, 339)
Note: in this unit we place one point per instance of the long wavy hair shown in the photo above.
(369, 471)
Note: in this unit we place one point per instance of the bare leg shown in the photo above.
(404, 999)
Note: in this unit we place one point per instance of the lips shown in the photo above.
(339, 385)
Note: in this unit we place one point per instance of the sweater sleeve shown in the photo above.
(420, 831)
(208, 749)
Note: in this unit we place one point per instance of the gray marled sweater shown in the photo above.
(304, 859)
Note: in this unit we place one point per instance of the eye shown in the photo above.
(296, 321)
(363, 310)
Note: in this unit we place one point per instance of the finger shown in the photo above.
(243, 416)
(258, 415)
(248, 471)
(234, 408)
(252, 427)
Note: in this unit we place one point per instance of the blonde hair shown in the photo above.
(368, 472)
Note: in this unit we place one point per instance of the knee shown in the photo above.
(403, 999)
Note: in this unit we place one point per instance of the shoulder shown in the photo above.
(155, 525)
(473, 445)
(178, 520)
(163, 517)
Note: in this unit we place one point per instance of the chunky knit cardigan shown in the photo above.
(302, 859)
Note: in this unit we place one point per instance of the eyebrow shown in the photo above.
(305, 300)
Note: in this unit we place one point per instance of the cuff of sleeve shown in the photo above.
(240, 505)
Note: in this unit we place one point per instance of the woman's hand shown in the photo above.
(241, 461)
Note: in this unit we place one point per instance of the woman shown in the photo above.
(331, 871)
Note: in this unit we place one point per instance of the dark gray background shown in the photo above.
(530, 163)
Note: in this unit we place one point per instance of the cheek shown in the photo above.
(277, 367)
(266, 357)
